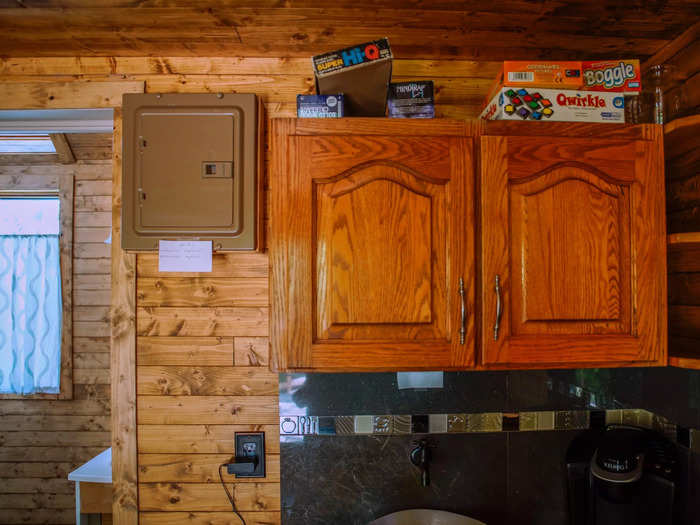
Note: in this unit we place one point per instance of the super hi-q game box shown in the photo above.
(362, 73)
(556, 105)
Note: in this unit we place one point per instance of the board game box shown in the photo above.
(320, 106)
(559, 105)
(611, 76)
(362, 73)
(411, 99)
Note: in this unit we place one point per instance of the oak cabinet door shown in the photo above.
(573, 252)
(376, 231)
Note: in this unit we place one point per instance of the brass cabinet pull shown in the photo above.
(499, 308)
(463, 328)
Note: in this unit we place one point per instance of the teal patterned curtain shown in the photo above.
(30, 314)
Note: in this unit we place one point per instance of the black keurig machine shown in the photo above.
(622, 475)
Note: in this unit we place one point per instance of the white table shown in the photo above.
(97, 470)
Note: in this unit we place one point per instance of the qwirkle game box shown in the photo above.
(557, 105)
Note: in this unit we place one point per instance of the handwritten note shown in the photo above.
(184, 256)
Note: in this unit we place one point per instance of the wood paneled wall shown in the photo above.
(41, 441)
(460, 85)
(682, 155)
(201, 348)
(202, 374)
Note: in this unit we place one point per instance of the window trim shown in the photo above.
(61, 185)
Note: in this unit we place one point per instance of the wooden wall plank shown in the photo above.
(200, 439)
(49, 438)
(76, 455)
(37, 501)
(206, 322)
(208, 518)
(58, 423)
(49, 470)
(226, 410)
(684, 258)
(684, 321)
(91, 376)
(37, 486)
(205, 381)
(20, 407)
(174, 351)
(208, 496)
(116, 65)
(52, 516)
(203, 291)
(61, 95)
(198, 468)
(684, 289)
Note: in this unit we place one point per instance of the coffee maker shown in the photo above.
(622, 475)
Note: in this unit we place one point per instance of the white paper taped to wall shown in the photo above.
(419, 380)
(184, 256)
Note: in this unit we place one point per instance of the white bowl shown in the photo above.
(425, 517)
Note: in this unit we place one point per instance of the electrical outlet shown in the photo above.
(251, 444)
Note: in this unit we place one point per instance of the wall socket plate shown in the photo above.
(251, 444)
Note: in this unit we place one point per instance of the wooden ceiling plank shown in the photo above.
(63, 149)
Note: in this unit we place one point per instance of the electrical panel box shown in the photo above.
(190, 165)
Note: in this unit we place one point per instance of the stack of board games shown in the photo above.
(591, 91)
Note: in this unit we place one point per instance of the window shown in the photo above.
(26, 144)
(30, 295)
(35, 286)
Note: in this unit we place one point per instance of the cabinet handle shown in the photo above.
(499, 308)
(463, 328)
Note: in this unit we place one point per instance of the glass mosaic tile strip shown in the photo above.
(387, 424)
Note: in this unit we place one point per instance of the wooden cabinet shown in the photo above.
(373, 233)
(372, 244)
(573, 246)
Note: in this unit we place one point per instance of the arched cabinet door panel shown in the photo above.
(573, 231)
(376, 231)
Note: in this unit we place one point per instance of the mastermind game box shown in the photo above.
(411, 99)
(362, 73)
(558, 105)
(320, 106)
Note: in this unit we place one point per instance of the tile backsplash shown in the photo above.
(669, 392)
(499, 440)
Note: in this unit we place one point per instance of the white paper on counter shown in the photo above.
(184, 256)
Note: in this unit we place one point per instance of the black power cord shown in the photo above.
(228, 494)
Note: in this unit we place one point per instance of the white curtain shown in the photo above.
(30, 314)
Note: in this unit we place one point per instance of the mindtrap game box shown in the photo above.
(558, 105)
(411, 99)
